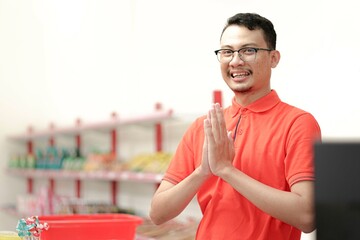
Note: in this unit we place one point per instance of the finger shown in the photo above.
(205, 138)
(205, 147)
(229, 135)
(231, 139)
(231, 142)
(208, 132)
(209, 116)
(220, 120)
(214, 122)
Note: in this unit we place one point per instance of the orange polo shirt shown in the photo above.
(273, 144)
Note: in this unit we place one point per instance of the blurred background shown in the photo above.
(64, 60)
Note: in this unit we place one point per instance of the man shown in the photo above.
(250, 164)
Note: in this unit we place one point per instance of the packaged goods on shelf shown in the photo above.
(14, 162)
(9, 235)
(51, 158)
(44, 202)
(73, 163)
(99, 161)
(48, 203)
(22, 161)
(149, 162)
(27, 204)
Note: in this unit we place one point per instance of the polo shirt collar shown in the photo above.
(261, 105)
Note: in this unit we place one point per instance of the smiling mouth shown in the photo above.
(240, 75)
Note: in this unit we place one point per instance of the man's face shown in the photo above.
(247, 77)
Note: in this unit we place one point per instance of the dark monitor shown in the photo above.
(337, 190)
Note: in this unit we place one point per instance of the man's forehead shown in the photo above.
(235, 34)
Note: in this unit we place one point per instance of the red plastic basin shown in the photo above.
(90, 227)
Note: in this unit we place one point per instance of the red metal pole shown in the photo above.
(52, 139)
(30, 147)
(158, 136)
(51, 180)
(30, 185)
(114, 136)
(30, 151)
(78, 143)
(114, 184)
(78, 188)
(78, 154)
(113, 141)
(158, 131)
(217, 95)
(51, 195)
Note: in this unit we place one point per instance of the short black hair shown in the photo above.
(254, 21)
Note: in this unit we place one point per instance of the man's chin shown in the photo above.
(241, 89)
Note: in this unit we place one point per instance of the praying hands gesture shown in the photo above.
(294, 207)
(217, 159)
(218, 148)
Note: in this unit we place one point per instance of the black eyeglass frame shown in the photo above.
(238, 51)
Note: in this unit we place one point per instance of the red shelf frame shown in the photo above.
(82, 175)
(148, 119)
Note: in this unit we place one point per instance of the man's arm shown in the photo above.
(295, 207)
(170, 200)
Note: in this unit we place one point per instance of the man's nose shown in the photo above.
(237, 59)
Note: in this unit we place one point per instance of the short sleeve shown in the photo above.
(186, 157)
(299, 162)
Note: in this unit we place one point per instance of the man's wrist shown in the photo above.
(199, 172)
(226, 172)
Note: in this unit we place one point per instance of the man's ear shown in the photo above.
(275, 58)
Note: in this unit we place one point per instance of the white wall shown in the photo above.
(60, 60)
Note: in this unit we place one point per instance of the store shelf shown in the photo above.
(82, 175)
(10, 210)
(154, 121)
(148, 119)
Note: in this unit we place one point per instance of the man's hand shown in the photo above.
(205, 168)
(218, 142)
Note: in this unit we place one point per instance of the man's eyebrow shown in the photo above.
(243, 46)
(226, 47)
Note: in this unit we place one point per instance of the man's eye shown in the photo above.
(226, 52)
(249, 51)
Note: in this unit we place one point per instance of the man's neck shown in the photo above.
(248, 97)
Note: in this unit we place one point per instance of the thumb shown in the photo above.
(231, 139)
(229, 136)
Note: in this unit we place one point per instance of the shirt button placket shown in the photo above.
(243, 117)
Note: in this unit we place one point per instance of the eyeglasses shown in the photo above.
(247, 54)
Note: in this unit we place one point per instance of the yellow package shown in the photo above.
(8, 235)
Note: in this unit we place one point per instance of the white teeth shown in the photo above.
(239, 74)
